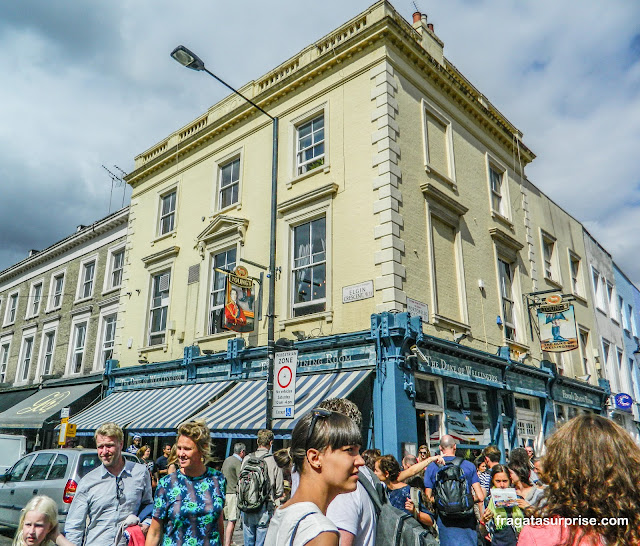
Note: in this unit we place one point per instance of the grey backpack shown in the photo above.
(254, 487)
(395, 527)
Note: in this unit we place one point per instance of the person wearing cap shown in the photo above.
(136, 445)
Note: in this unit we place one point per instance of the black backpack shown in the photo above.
(451, 497)
(395, 527)
(254, 487)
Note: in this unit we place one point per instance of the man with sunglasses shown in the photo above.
(108, 494)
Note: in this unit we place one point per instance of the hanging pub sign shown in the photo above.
(239, 302)
(557, 323)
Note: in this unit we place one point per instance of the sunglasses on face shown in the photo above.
(317, 413)
(423, 453)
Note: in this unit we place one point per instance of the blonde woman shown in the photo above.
(188, 503)
(38, 524)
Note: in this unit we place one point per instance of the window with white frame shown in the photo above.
(222, 261)
(583, 336)
(78, 346)
(499, 201)
(56, 291)
(611, 300)
(12, 308)
(606, 354)
(619, 361)
(48, 348)
(33, 307)
(505, 272)
(620, 313)
(228, 193)
(116, 268)
(632, 321)
(5, 346)
(167, 213)
(548, 254)
(576, 274)
(310, 144)
(87, 275)
(598, 289)
(108, 338)
(159, 308)
(25, 357)
(309, 267)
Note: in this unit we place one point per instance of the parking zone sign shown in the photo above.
(284, 386)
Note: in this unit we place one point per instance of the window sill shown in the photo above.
(517, 346)
(110, 290)
(151, 348)
(444, 322)
(83, 300)
(502, 219)
(602, 311)
(553, 283)
(8, 324)
(322, 169)
(327, 316)
(580, 298)
(227, 209)
(215, 337)
(163, 237)
(441, 176)
(53, 309)
(615, 321)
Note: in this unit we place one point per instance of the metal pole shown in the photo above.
(271, 347)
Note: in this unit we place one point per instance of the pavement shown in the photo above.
(6, 536)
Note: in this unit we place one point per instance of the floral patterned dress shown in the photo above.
(189, 508)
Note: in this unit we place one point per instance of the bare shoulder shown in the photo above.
(328, 538)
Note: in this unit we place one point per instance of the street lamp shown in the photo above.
(191, 60)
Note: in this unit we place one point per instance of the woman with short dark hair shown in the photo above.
(325, 448)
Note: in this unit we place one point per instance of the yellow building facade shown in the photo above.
(397, 180)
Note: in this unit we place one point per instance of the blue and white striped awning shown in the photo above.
(243, 408)
(149, 408)
(313, 389)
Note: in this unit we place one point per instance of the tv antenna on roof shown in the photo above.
(117, 180)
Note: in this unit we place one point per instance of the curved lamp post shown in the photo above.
(191, 60)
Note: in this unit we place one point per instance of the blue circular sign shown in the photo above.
(623, 401)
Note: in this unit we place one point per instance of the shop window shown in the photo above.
(523, 403)
(426, 392)
(467, 414)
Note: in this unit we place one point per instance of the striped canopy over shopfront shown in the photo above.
(149, 410)
(242, 411)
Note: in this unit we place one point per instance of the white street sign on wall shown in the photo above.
(356, 292)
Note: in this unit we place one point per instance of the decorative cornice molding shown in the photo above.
(434, 194)
(305, 199)
(170, 252)
(505, 239)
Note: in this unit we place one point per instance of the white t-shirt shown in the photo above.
(284, 521)
(354, 512)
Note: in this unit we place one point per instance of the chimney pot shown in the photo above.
(430, 27)
(417, 16)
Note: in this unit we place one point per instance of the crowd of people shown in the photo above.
(318, 492)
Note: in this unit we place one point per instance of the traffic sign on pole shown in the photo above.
(284, 386)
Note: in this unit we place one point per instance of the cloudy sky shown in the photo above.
(86, 84)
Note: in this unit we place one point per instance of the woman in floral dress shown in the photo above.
(188, 503)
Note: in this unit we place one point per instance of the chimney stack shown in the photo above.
(416, 17)
(430, 42)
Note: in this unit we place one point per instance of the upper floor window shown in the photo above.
(496, 183)
(86, 280)
(167, 213)
(108, 338)
(621, 316)
(27, 349)
(79, 341)
(223, 261)
(4, 361)
(309, 267)
(117, 267)
(611, 300)
(12, 308)
(439, 157)
(632, 321)
(56, 292)
(576, 274)
(229, 183)
(583, 336)
(548, 252)
(48, 344)
(159, 308)
(505, 272)
(310, 149)
(598, 289)
(36, 296)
